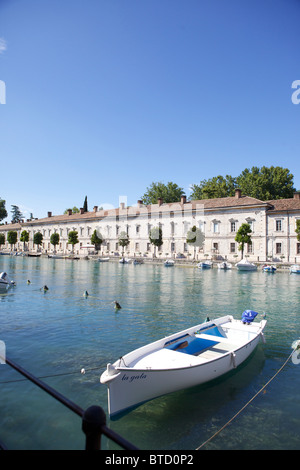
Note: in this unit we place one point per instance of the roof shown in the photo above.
(285, 204)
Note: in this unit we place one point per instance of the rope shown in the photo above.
(248, 403)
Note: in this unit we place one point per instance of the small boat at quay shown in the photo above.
(103, 260)
(245, 265)
(190, 357)
(169, 262)
(224, 265)
(295, 268)
(205, 265)
(269, 269)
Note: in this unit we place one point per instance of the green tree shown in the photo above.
(123, 241)
(12, 237)
(37, 239)
(2, 239)
(266, 183)
(54, 240)
(16, 214)
(195, 237)
(24, 238)
(243, 236)
(169, 192)
(73, 238)
(96, 240)
(75, 210)
(298, 229)
(85, 205)
(218, 186)
(3, 211)
(155, 237)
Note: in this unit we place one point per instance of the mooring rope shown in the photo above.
(297, 346)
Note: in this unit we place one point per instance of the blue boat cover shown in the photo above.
(248, 316)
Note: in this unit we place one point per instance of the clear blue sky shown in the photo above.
(104, 97)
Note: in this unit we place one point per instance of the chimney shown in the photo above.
(69, 211)
(159, 201)
(122, 205)
(95, 208)
(81, 210)
(49, 214)
(297, 195)
(183, 199)
(140, 203)
(238, 193)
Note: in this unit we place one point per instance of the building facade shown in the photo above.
(273, 225)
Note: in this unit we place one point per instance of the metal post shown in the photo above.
(93, 420)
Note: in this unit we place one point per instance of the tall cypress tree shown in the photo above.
(85, 205)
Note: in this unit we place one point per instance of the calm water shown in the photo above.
(55, 334)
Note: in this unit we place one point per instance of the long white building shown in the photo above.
(273, 225)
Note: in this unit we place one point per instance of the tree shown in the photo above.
(73, 238)
(195, 237)
(123, 241)
(16, 214)
(261, 183)
(85, 205)
(96, 240)
(243, 236)
(169, 192)
(75, 210)
(54, 240)
(2, 239)
(3, 211)
(37, 239)
(298, 229)
(218, 186)
(155, 237)
(24, 238)
(266, 183)
(12, 237)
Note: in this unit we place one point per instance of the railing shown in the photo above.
(93, 419)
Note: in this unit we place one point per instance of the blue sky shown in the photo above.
(104, 97)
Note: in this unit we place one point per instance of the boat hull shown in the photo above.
(130, 387)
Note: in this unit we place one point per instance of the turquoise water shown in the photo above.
(55, 334)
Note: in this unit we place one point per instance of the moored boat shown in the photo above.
(205, 265)
(295, 268)
(224, 265)
(5, 282)
(245, 265)
(269, 269)
(184, 359)
(169, 262)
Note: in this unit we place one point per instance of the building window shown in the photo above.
(216, 227)
(278, 225)
(232, 247)
(249, 247)
(232, 227)
(298, 248)
(172, 247)
(278, 248)
(137, 247)
(117, 229)
(138, 229)
(215, 247)
(148, 246)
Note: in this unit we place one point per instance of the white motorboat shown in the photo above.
(295, 268)
(224, 265)
(245, 265)
(205, 265)
(125, 260)
(191, 357)
(5, 282)
(169, 262)
(103, 260)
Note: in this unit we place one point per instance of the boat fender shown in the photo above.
(111, 370)
(233, 359)
(263, 338)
